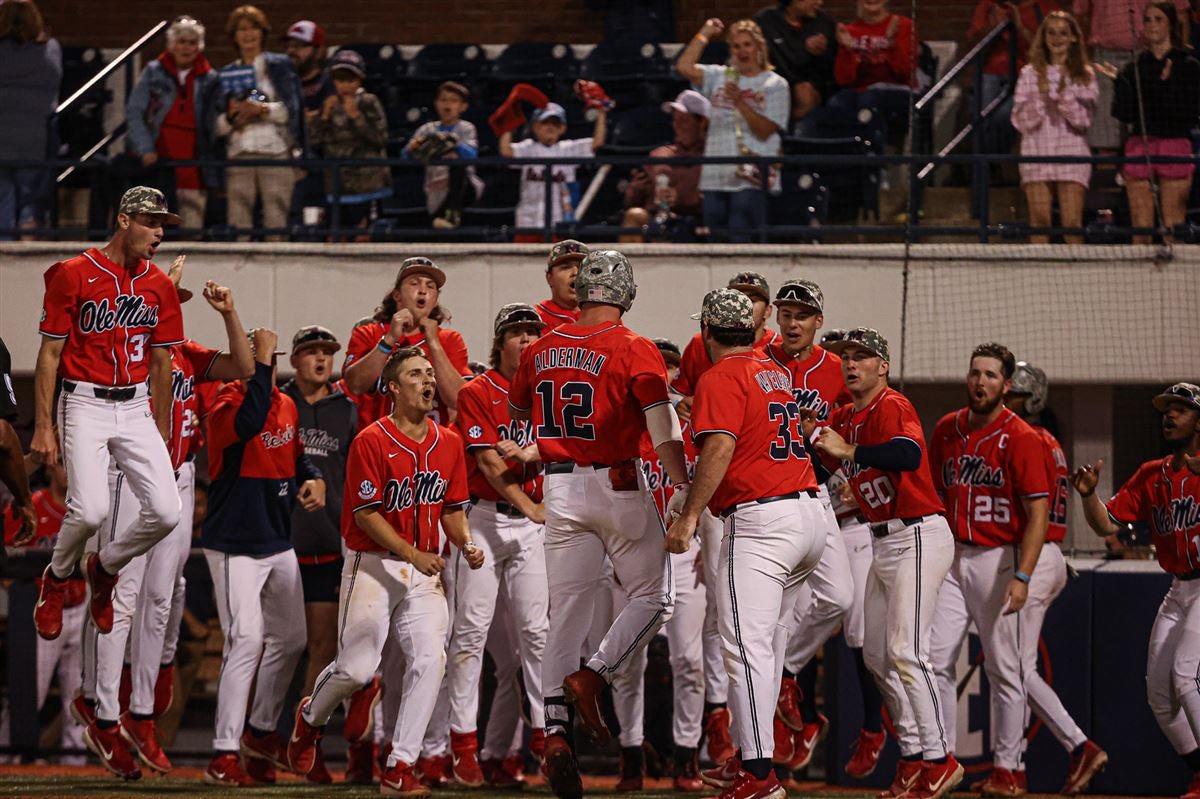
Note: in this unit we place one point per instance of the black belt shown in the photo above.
(114, 394)
(881, 530)
(508, 510)
(566, 467)
(767, 500)
(1192, 575)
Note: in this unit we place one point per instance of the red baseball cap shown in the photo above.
(306, 31)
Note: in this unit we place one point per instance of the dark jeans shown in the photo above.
(745, 209)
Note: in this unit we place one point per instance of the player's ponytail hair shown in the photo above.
(1078, 66)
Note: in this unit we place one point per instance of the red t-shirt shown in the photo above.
(554, 314)
(886, 495)
(49, 515)
(588, 389)
(983, 476)
(657, 480)
(270, 454)
(746, 395)
(483, 421)
(1169, 499)
(695, 362)
(874, 58)
(109, 315)
(1060, 486)
(817, 381)
(409, 482)
(190, 364)
(375, 402)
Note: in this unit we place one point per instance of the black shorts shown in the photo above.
(322, 582)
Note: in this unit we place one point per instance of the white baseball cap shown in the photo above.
(689, 101)
(550, 111)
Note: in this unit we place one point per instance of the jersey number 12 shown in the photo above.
(566, 420)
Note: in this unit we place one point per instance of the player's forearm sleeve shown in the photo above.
(252, 414)
(663, 424)
(897, 455)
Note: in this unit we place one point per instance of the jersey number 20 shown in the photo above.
(565, 418)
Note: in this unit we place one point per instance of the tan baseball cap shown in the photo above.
(146, 200)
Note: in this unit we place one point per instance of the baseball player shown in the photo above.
(818, 386)
(408, 315)
(755, 473)
(506, 521)
(12, 460)
(1026, 397)
(406, 475)
(561, 268)
(109, 319)
(878, 444)
(592, 388)
(1165, 493)
(258, 470)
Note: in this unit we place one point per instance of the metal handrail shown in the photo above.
(99, 146)
(120, 60)
(952, 73)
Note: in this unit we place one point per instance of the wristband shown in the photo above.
(384, 348)
(701, 37)
(1022, 576)
(682, 486)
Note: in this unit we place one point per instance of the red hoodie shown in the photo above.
(875, 58)
(177, 138)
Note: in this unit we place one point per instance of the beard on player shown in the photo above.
(1180, 426)
(981, 401)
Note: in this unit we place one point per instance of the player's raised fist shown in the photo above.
(833, 444)
(428, 563)
(473, 555)
(712, 27)
(264, 340)
(402, 324)
(1086, 477)
(219, 297)
(312, 495)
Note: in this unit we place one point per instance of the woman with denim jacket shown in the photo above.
(166, 115)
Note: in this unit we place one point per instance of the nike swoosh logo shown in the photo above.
(808, 742)
(104, 753)
(861, 547)
(934, 787)
(40, 602)
(392, 455)
(93, 279)
(497, 402)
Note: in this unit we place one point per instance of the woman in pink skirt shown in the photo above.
(1055, 97)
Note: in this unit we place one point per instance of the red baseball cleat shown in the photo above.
(537, 744)
(938, 779)
(227, 770)
(1085, 765)
(433, 771)
(47, 613)
(747, 787)
(585, 690)
(101, 585)
(787, 707)
(804, 743)
(865, 756)
(1001, 782)
(140, 735)
(269, 748)
(361, 768)
(301, 753)
(106, 744)
(785, 744)
(907, 773)
(561, 769)
(497, 775)
(464, 754)
(632, 771)
(83, 711)
(723, 775)
(360, 716)
(164, 689)
(687, 775)
(1193, 791)
(716, 730)
(319, 774)
(401, 780)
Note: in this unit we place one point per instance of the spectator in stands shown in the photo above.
(304, 43)
(30, 74)
(352, 124)
(260, 114)
(1056, 95)
(802, 44)
(666, 193)
(1165, 95)
(163, 110)
(877, 65)
(446, 188)
(749, 109)
(548, 125)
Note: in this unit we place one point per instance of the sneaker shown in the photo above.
(938, 779)
(360, 716)
(401, 780)
(1001, 782)
(513, 768)
(260, 772)
(140, 735)
(164, 689)
(747, 787)
(47, 613)
(227, 770)
(1085, 765)
(785, 744)
(804, 743)
(584, 689)
(106, 744)
(302, 750)
(269, 748)
(716, 730)
(464, 754)
(907, 773)
(361, 768)
(865, 756)
(687, 772)
(723, 775)
(787, 707)
(433, 771)
(101, 585)
(497, 773)
(561, 769)
(632, 770)
(83, 711)
(319, 774)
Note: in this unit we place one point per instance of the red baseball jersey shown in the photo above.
(983, 476)
(190, 365)
(49, 515)
(746, 395)
(657, 479)
(483, 421)
(1169, 499)
(375, 402)
(1060, 485)
(817, 381)
(109, 315)
(588, 389)
(695, 362)
(554, 314)
(410, 483)
(886, 495)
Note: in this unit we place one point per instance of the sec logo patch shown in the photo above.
(475, 431)
(366, 489)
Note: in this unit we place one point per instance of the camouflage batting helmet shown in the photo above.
(606, 277)
(1031, 381)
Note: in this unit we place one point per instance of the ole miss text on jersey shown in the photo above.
(657, 480)
(1169, 499)
(190, 365)
(483, 422)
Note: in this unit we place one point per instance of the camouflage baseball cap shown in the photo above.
(832, 335)
(867, 338)
(421, 266)
(146, 200)
(728, 309)
(315, 336)
(801, 292)
(751, 283)
(517, 313)
(669, 350)
(566, 250)
(1183, 393)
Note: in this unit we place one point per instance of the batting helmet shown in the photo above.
(606, 277)
(1029, 380)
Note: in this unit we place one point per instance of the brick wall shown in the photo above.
(109, 24)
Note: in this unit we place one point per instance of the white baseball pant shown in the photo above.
(716, 681)
(910, 563)
(504, 733)
(382, 597)
(515, 566)
(982, 575)
(586, 519)
(832, 592)
(767, 552)
(856, 536)
(1173, 663)
(685, 637)
(1048, 581)
(628, 684)
(94, 433)
(61, 657)
(259, 601)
